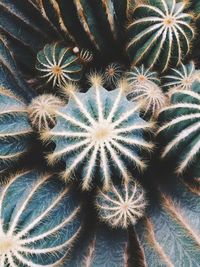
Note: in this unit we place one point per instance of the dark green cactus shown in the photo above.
(96, 25)
(159, 34)
(35, 207)
(179, 130)
(58, 64)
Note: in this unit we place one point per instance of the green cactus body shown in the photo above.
(99, 131)
(15, 131)
(58, 64)
(181, 78)
(122, 206)
(179, 131)
(34, 208)
(104, 247)
(34, 32)
(169, 234)
(160, 34)
(89, 24)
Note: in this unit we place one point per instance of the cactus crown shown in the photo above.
(98, 127)
(160, 34)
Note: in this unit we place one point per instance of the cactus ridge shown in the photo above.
(180, 127)
(160, 34)
(15, 131)
(93, 129)
(27, 235)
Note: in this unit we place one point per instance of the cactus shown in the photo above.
(98, 125)
(113, 72)
(179, 130)
(181, 78)
(139, 75)
(159, 34)
(34, 33)
(95, 25)
(58, 64)
(141, 61)
(42, 111)
(122, 206)
(15, 131)
(28, 225)
(169, 234)
(149, 97)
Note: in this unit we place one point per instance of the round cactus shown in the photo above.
(181, 78)
(122, 206)
(15, 131)
(180, 128)
(139, 75)
(149, 96)
(42, 111)
(96, 25)
(58, 64)
(99, 131)
(113, 73)
(39, 220)
(85, 55)
(160, 34)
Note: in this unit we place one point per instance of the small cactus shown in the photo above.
(113, 73)
(159, 34)
(29, 220)
(42, 111)
(85, 55)
(122, 206)
(98, 130)
(181, 78)
(58, 64)
(180, 126)
(139, 75)
(149, 96)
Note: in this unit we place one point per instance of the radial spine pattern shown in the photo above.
(29, 220)
(181, 78)
(180, 128)
(160, 34)
(140, 75)
(58, 64)
(99, 131)
(122, 206)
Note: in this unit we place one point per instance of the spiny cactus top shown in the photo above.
(113, 73)
(182, 77)
(58, 64)
(34, 208)
(180, 129)
(160, 33)
(122, 206)
(139, 75)
(15, 131)
(99, 131)
(149, 96)
(42, 111)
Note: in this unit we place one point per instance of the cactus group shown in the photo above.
(99, 133)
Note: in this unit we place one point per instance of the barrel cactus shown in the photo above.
(179, 130)
(181, 78)
(98, 127)
(159, 34)
(99, 133)
(58, 64)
